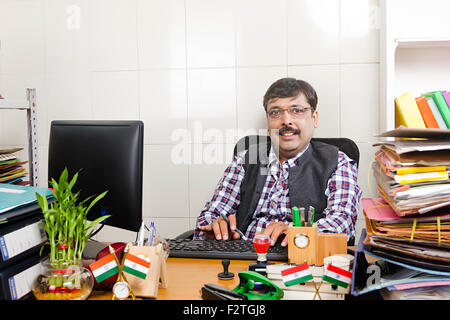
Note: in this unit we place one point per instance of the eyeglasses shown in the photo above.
(294, 112)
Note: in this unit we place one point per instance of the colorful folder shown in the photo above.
(441, 105)
(436, 113)
(407, 112)
(427, 114)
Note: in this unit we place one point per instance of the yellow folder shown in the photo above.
(407, 112)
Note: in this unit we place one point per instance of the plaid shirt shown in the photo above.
(342, 192)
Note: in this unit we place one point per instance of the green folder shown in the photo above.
(442, 106)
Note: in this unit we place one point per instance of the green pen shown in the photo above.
(295, 216)
(313, 212)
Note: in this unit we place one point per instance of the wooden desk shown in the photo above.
(187, 276)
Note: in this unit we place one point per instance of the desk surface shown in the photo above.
(187, 276)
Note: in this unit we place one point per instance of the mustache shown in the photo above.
(287, 128)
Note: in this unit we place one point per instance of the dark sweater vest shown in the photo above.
(307, 180)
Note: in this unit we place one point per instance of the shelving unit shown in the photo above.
(30, 106)
(409, 61)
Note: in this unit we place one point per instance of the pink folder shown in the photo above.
(446, 97)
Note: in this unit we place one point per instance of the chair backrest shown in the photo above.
(345, 145)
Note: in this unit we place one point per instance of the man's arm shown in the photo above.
(343, 199)
(226, 199)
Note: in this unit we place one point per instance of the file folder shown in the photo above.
(20, 239)
(13, 196)
(16, 280)
(22, 212)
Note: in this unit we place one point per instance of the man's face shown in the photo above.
(290, 131)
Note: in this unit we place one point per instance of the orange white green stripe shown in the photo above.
(104, 268)
(337, 276)
(136, 266)
(296, 275)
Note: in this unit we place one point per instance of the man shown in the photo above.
(257, 196)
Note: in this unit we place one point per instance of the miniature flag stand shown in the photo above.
(330, 281)
(143, 275)
(297, 275)
(121, 279)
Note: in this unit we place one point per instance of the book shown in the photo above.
(427, 114)
(441, 105)
(407, 112)
(437, 115)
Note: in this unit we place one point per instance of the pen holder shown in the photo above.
(302, 244)
(305, 245)
(157, 274)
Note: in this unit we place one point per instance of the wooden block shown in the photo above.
(147, 287)
(302, 255)
(330, 244)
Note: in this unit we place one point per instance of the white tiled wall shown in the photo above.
(199, 67)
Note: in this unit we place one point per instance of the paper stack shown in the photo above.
(408, 226)
(11, 167)
(422, 241)
(413, 175)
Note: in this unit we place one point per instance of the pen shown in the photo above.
(151, 234)
(295, 216)
(140, 241)
(224, 216)
(302, 214)
(310, 213)
(313, 213)
(303, 217)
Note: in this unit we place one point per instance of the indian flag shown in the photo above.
(104, 268)
(297, 274)
(136, 266)
(337, 276)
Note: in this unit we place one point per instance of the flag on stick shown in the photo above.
(104, 268)
(136, 266)
(296, 275)
(337, 276)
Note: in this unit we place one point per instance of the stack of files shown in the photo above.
(11, 167)
(412, 176)
(412, 292)
(388, 272)
(422, 240)
(429, 110)
(306, 291)
(21, 238)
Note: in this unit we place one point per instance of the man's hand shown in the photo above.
(274, 230)
(219, 229)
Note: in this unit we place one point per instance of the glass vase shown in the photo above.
(62, 280)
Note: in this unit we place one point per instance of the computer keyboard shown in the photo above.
(219, 249)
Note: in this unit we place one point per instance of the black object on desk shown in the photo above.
(220, 249)
(226, 275)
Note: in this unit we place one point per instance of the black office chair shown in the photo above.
(345, 145)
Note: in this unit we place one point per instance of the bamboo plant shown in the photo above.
(65, 220)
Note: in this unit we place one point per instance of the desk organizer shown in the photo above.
(306, 245)
(157, 275)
